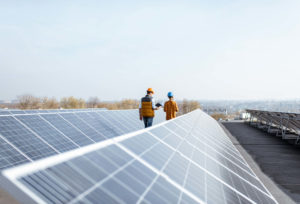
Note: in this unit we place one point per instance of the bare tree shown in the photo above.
(50, 103)
(128, 104)
(93, 102)
(28, 101)
(187, 106)
(81, 103)
(72, 102)
(124, 104)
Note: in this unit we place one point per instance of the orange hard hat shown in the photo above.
(150, 90)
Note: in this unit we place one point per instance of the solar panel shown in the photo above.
(46, 131)
(9, 155)
(168, 163)
(282, 124)
(38, 135)
(24, 139)
(67, 129)
(83, 126)
(4, 112)
(17, 112)
(100, 124)
(31, 111)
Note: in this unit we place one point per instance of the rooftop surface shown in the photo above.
(276, 162)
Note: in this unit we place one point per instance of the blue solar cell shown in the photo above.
(5, 112)
(130, 180)
(116, 121)
(140, 144)
(120, 191)
(140, 172)
(100, 124)
(158, 155)
(176, 168)
(100, 196)
(172, 140)
(53, 137)
(24, 139)
(83, 126)
(194, 181)
(185, 199)
(122, 118)
(67, 129)
(102, 161)
(31, 111)
(96, 173)
(9, 156)
(116, 155)
(75, 183)
(17, 112)
(163, 192)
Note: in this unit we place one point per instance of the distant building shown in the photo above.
(5, 101)
(211, 110)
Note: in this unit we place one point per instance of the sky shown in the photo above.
(198, 49)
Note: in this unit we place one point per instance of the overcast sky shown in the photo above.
(117, 49)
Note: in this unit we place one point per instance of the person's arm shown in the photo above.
(153, 105)
(140, 111)
(165, 107)
(176, 108)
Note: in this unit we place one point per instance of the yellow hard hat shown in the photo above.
(150, 90)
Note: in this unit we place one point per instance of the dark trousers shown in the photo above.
(148, 121)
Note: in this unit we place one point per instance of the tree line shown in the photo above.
(32, 102)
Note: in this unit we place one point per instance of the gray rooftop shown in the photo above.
(275, 161)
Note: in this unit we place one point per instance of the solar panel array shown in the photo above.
(282, 124)
(30, 111)
(29, 137)
(186, 160)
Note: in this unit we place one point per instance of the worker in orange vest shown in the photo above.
(170, 107)
(147, 108)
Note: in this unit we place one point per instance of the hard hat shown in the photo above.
(170, 94)
(150, 90)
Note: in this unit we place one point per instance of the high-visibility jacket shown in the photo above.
(170, 108)
(146, 106)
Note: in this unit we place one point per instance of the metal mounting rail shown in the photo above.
(282, 124)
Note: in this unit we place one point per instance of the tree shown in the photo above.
(28, 101)
(81, 103)
(128, 104)
(50, 103)
(72, 103)
(93, 102)
(218, 116)
(124, 104)
(187, 106)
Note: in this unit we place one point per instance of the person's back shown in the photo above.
(147, 108)
(170, 107)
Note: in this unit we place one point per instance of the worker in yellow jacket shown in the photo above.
(170, 107)
(147, 108)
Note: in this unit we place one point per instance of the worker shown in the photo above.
(147, 108)
(170, 107)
